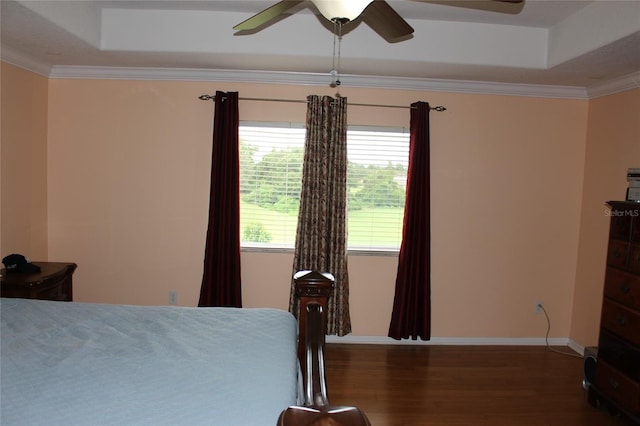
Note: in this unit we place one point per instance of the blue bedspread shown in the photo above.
(92, 364)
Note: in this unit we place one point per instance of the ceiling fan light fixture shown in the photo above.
(341, 9)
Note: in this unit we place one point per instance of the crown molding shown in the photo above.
(610, 87)
(621, 84)
(299, 78)
(20, 60)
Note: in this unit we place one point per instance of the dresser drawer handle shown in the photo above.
(621, 319)
(617, 253)
(614, 384)
(624, 288)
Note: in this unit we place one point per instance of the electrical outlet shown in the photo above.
(173, 297)
(538, 307)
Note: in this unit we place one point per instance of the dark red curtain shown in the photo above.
(221, 277)
(411, 316)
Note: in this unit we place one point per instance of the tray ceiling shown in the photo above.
(567, 43)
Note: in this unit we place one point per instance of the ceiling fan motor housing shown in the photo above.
(341, 10)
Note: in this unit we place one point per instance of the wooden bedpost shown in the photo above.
(313, 289)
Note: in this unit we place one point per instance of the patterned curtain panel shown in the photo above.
(221, 276)
(321, 239)
(411, 316)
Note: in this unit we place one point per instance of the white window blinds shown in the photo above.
(271, 156)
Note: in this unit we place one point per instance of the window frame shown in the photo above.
(256, 247)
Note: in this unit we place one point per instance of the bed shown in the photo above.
(68, 363)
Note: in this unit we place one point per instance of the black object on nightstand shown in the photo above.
(53, 282)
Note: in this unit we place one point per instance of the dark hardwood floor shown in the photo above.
(461, 385)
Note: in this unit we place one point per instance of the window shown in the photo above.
(271, 156)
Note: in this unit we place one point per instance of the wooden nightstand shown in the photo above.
(53, 282)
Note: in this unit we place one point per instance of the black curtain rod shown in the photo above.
(213, 98)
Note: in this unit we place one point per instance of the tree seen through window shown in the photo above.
(271, 160)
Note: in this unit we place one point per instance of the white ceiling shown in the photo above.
(573, 43)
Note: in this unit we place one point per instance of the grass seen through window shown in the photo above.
(271, 157)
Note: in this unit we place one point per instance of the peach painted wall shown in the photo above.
(23, 154)
(613, 145)
(518, 192)
(128, 187)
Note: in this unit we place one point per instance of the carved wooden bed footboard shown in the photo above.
(312, 290)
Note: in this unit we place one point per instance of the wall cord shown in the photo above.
(546, 337)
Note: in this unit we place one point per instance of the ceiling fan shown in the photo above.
(378, 14)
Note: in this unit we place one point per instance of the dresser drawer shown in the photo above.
(620, 225)
(634, 259)
(617, 387)
(621, 321)
(617, 253)
(619, 354)
(622, 287)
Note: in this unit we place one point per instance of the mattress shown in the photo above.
(67, 363)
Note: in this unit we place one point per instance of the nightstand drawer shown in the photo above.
(616, 386)
(54, 290)
(623, 287)
(621, 321)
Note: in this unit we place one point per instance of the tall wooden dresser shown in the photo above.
(617, 374)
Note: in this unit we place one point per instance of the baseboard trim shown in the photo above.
(460, 341)
(576, 347)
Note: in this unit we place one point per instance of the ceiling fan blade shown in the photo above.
(384, 20)
(511, 7)
(267, 15)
